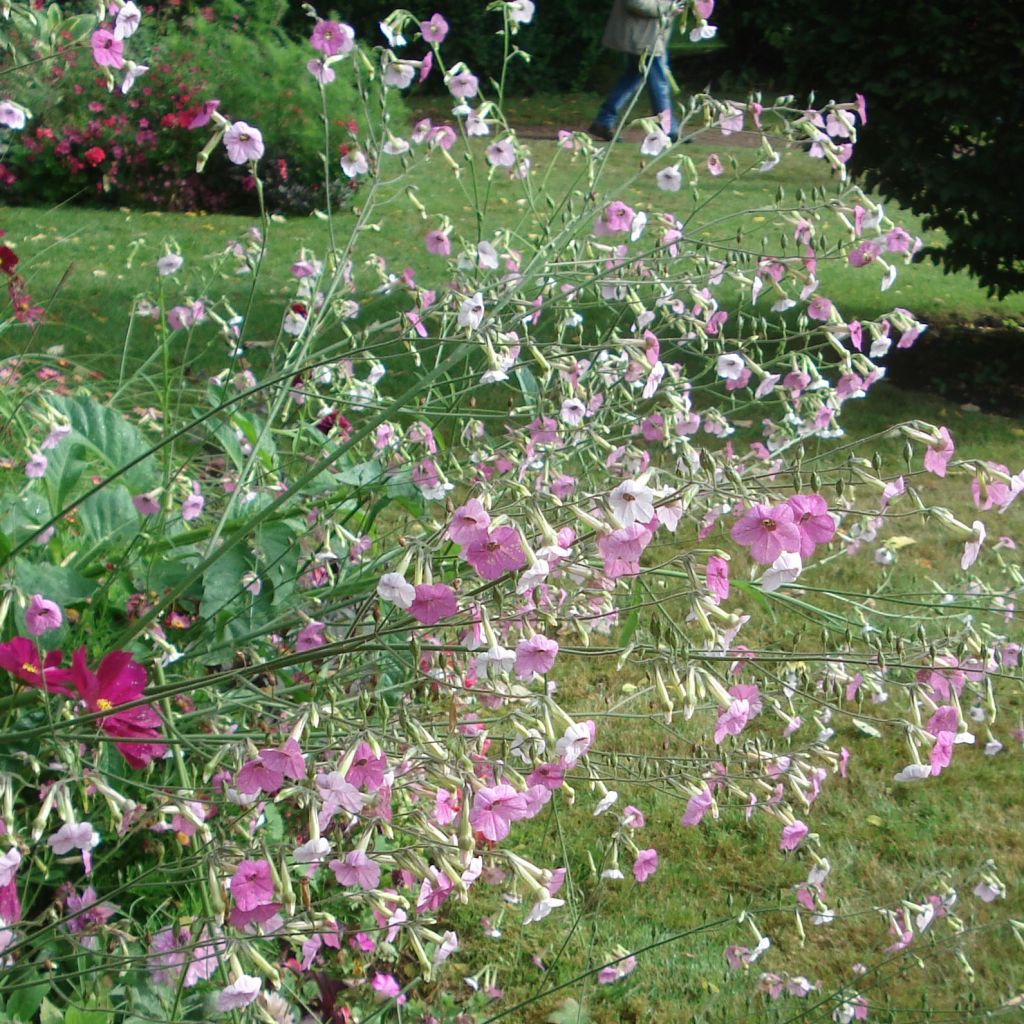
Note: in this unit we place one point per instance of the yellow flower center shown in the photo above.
(103, 704)
(32, 670)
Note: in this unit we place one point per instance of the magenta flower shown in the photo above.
(717, 577)
(537, 654)
(937, 456)
(205, 113)
(356, 869)
(243, 143)
(42, 615)
(386, 986)
(942, 752)
(332, 38)
(495, 552)
(192, 507)
(767, 531)
(816, 526)
(252, 885)
(107, 49)
(699, 804)
(494, 810)
(793, 835)
(20, 657)
(433, 602)
(146, 504)
(118, 679)
(434, 30)
(645, 865)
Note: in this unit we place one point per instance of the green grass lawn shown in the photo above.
(89, 266)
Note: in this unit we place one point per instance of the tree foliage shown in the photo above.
(943, 81)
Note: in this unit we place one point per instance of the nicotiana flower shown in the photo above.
(241, 992)
(243, 143)
(495, 808)
(332, 38)
(393, 587)
(768, 531)
(42, 615)
(434, 30)
(471, 311)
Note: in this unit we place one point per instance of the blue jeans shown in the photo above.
(625, 88)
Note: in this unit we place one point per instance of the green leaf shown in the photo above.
(110, 438)
(274, 828)
(569, 1012)
(80, 1015)
(362, 475)
(57, 582)
(49, 1014)
(109, 515)
(23, 1003)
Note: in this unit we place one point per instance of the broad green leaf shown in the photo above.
(109, 437)
(363, 475)
(23, 1003)
(109, 515)
(57, 582)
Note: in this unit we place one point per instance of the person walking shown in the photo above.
(640, 29)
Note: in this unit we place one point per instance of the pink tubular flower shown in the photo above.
(616, 217)
(645, 865)
(698, 805)
(243, 143)
(767, 531)
(732, 720)
(537, 654)
(437, 242)
(356, 869)
(621, 549)
(433, 602)
(107, 49)
(717, 576)
(252, 885)
(495, 552)
(241, 992)
(469, 520)
(812, 519)
(332, 38)
(310, 637)
(42, 615)
(793, 835)
(937, 457)
(435, 30)
(35, 468)
(494, 810)
(463, 86)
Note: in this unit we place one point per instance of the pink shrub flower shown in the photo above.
(535, 655)
(767, 531)
(433, 602)
(42, 615)
(495, 808)
(495, 552)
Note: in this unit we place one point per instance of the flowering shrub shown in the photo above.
(282, 651)
(137, 144)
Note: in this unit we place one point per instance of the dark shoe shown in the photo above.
(602, 132)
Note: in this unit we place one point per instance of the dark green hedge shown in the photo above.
(944, 82)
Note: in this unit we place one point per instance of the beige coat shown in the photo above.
(639, 26)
